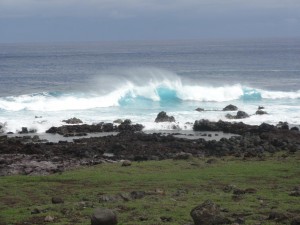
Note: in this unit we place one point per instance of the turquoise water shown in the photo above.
(106, 81)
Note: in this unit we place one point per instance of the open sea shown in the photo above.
(43, 84)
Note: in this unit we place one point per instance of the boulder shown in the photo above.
(260, 112)
(199, 109)
(230, 108)
(260, 107)
(119, 121)
(163, 117)
(283, 125)
(57, 200)
(102, 216)
(126, 163)
(73, 120)
(239, 115)
(208, 213)
(295, 129)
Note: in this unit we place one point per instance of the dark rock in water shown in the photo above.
(230, 108)
(57, 200)
(208, 213)
(295, 129)
(239, 115)
(261, 107)
(260, 112)
(283, 125)
(104, 217)
(205, 125)
(163, 117)
(127, 126)
(199, 109)
(73, 120)
(24, 130)
(118, 121)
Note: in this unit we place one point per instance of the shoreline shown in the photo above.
(33, 156)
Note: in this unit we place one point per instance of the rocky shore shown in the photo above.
(31, 156)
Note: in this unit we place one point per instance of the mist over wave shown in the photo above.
(119, 88)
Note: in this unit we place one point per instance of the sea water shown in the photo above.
(43, 84)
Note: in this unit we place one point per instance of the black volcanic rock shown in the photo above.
(73, 120)
(230, 108)
(163, 117)
(239, 115)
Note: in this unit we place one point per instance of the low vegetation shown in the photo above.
(158, 192)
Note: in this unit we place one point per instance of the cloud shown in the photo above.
(130, 8)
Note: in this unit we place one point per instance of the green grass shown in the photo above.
(197, 181)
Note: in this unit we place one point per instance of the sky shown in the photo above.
(123, 20)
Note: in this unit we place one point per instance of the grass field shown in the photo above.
(172, 189)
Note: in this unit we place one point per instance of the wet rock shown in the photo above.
(208, 213)
(57, 200)
(239, 115)
(261, 107)
(283, 125)
(260, 112)
(128, 126)
(126, 163)
(230, 108)
(163, 117)
(119, 121)
(199, 109)
(102, 216)
(73, 120)
(294, 129)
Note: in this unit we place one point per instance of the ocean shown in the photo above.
(43, 84)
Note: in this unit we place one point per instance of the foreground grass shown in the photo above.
(182, 185)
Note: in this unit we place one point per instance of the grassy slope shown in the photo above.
(198, 181)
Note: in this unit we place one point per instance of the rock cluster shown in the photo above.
(163, 117)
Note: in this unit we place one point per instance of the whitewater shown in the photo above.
(42, 86)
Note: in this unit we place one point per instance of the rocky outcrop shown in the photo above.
(260, 112)
(230, 108)
(102, 216)
(81, 130)
(163, 117)
(239, 115)
(208, 213)
(73, 120)
(199, 109)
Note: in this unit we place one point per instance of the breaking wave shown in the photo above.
(154, 86)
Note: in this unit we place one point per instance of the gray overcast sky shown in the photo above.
(97, 20)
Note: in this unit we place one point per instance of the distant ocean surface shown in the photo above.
(43, 84)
